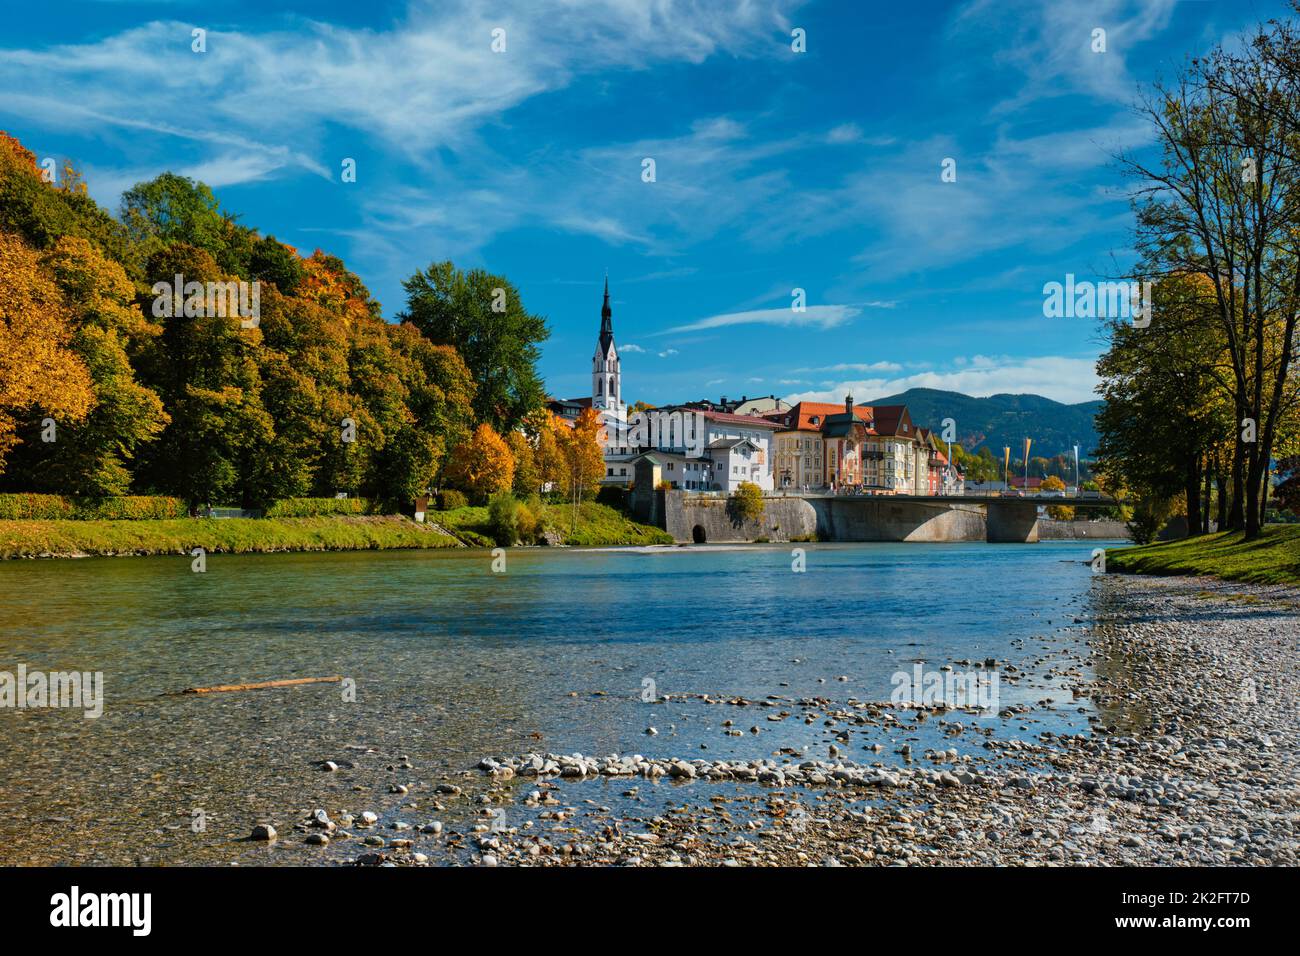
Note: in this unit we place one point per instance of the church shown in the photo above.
(697, 449)
(606, 399)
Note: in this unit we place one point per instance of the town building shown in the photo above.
(711, 446)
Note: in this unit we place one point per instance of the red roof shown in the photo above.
(800, 417)
(890, 419)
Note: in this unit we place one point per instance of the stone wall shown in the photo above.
(1050, 530)
(692, 517)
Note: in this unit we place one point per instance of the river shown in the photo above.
(452, 661)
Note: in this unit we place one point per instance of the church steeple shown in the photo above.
(606, 322)
(606, 387)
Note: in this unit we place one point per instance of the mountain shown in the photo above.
(1004, 420)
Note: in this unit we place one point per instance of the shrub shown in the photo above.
(1149, 517)
(528, 523)
(451, 499)
(503, 519)
(317, 507)
(14, 507)
(57, 507)
(746, 502)
(133, 508)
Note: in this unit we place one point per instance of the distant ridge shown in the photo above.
(1005, 420)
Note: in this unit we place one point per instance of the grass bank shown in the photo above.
(594, 525)
(1274, 558)
(31, 538)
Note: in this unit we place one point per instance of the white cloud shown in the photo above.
(1051, 43)
(817, 316)
(630, 348)
(1061, 378)
(855, 367)
(845, 133)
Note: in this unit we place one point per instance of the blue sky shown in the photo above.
(775, 170)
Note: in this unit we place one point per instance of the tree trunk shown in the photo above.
(1253, 478)
(1263, 496)
(1221, 485)
(1192, 492)
(1235, 516)
(1205, 508)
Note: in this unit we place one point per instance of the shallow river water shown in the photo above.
(452, 662)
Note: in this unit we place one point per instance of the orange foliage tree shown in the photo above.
(483, 465)
(40, 374)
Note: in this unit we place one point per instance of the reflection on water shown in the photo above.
(452, 662)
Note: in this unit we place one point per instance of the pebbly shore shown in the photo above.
(1190, 760)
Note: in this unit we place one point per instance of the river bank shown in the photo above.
(95, 538)
(1272, 559)
(590, 525)
(1120, 734)
(1202, 771)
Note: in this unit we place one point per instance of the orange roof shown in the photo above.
(800, 417)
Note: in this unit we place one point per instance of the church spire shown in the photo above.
(606, 322)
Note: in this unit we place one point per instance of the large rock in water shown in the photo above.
(551, 539)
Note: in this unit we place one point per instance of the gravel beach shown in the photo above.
(1191, 761)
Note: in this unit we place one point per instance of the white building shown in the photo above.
(733, 448)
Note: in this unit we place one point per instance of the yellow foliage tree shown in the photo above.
(1059, 512)
(483, 465)
(581, 455)
(39, 373)
(527, 478)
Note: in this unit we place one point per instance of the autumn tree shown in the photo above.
(93, 456)
(527, 479)
(41, 374)
(1166, 399)
(483, 465)
(580, 456)
(1220, 203)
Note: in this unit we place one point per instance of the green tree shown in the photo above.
(482, 317)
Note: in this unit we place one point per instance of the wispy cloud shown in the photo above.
(815, 316)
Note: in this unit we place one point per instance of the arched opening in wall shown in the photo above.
(698, 535)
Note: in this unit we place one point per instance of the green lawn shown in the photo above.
(1273, 558)
(596, 525)
(27, 538)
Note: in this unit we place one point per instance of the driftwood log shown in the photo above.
(226, 688)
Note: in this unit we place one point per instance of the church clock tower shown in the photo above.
(606, 385)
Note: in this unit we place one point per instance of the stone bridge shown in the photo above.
(703, 518)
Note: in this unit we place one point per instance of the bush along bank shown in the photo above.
(62, 538)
